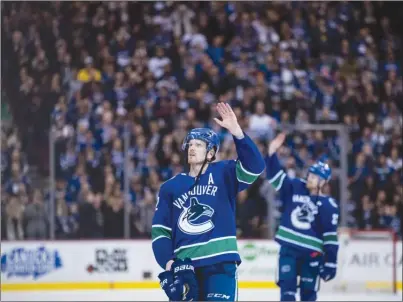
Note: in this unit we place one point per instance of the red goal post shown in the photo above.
(367, 262)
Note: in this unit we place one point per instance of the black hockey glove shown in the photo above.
(180, 282)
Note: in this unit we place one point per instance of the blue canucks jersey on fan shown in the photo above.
(308, 223)
(200, 223)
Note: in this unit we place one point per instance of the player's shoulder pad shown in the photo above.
(170, 182)
(298, 182)
(302, 180)
(331, 202)
(224, 164)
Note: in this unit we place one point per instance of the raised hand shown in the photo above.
(229, 120)
(277, 143)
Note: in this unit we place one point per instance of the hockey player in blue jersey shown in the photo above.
(308, 229)
(194, 228)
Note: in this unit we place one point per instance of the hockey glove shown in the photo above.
(327, 271)
(185, 275)
(173, 291)
(180, 284)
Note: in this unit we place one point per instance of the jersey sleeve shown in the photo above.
(276, 175)
(329, 217)
(247, 168)
(161, 232)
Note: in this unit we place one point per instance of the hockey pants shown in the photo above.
(296, 270)
(218, 282)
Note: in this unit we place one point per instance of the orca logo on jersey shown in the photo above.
(303, 216)
(187, 221)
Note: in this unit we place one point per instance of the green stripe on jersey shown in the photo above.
(277, 180)
(244, 175)
(330, 237)
(160, 231)
(208, 249)
(299, 239)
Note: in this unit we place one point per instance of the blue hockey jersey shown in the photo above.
(200, 224)
(308, 223)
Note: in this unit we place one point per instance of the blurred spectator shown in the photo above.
(89, 73)
(91, 219)
(251, 212)
(261, 125)
(35, 218)
(14, 219)
(368, 219)
(113, 215)
(66, 224)
(3, 219)
(144, 212)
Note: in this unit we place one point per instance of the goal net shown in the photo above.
(367, 262)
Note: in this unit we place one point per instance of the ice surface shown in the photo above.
(158, 295)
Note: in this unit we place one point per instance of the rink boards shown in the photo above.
(130, 264)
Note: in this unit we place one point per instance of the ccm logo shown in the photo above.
(184, 267)
(218, 296)
(164, 282)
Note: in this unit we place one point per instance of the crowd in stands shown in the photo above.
(104, 73)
